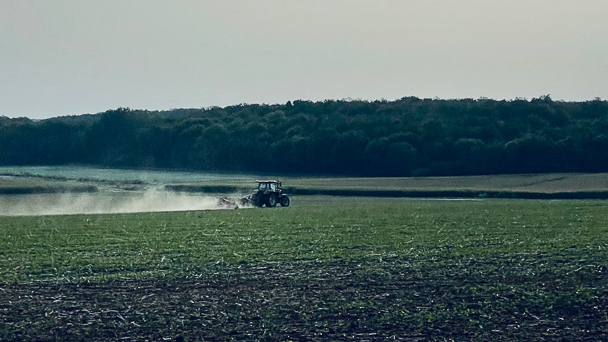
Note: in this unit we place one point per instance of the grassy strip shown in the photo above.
(544, 183)
(224, 189)
(454, 194)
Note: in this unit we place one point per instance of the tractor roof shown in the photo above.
(267, 181)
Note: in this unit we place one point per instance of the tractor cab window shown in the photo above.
(262, 186)
(273, 186)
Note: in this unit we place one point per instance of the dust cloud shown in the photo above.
(103, 203)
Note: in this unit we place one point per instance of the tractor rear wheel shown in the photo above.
(258, 200)
(271, 201)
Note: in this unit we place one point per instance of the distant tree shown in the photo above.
(401, 159)
(433, 130)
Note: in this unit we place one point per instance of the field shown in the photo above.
(76, 179)
(11, 185)
(528, 186)
(326, 268)
(544, 182)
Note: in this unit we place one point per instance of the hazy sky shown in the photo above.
(67, 57)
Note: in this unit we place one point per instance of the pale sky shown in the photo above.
(71, 57)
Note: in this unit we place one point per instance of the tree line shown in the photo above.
(405, 137)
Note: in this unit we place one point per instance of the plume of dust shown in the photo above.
(104, 203)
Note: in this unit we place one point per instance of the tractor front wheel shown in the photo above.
(285, 201)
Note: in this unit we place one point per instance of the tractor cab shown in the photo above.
(269, 186)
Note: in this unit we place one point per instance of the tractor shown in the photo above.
(269, 193)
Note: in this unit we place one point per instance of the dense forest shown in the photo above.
(406, 137)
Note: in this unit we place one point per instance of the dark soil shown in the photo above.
(378, 300)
